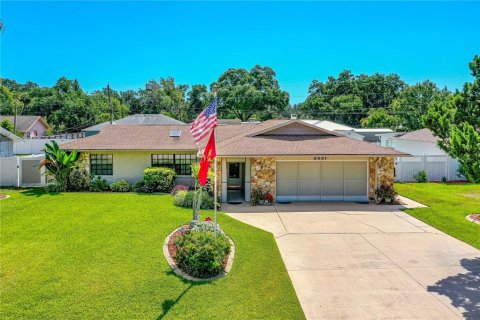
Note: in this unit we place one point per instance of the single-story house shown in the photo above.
(290, 159)
(365, 134)
(135, 119)
(6, 142)
(29, 126)
(423, 145)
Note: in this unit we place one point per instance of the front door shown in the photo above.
(235, 181)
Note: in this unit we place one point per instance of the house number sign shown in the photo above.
(319, 158)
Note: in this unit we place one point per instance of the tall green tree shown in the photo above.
(164, 96)
(457, 124)
(198, 98)
(246, 94)
(412, 103)
(348, 98)
(100, 104)
(379, 118)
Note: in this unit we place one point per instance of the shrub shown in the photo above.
(200, 254)
(444, 179)
(120, 186)
(55, 186)
(141, 187)
(184, 199)
(260, 197)
(421, 176)
(179, 187)
(78, 180)
(207, 201)
(159, 179)
(385, 192)
(98, 184)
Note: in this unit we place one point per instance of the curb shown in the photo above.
(182, 274)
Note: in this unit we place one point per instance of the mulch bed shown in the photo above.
(475, 217)
(172, 250)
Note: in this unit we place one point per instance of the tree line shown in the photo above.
(362, 100)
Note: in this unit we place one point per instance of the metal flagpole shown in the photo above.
(215, 167)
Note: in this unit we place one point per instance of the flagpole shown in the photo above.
(215, 169)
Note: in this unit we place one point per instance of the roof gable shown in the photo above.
(24, 123)
(294, 128)
(425, 135)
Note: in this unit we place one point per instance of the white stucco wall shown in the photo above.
(129, 165)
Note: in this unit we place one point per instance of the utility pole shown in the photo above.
(110, 103)
(15, 120)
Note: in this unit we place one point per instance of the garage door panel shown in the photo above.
(355, 188)
(287, 170)
(309, 187)
(332, 188)
(288, 188)
(309, 170)
(355, 170)
(332, 170)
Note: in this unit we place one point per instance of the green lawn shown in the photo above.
(448, 205)
(99, 256)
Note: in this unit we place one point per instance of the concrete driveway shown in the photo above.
(362, 261)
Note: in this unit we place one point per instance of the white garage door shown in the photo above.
(322, 181)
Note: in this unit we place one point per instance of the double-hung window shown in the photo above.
(179, 162)
(101, 164)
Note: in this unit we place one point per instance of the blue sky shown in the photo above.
(129, 43)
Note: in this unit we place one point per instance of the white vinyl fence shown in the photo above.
(436, 168)
(35, 146)
(21, 171)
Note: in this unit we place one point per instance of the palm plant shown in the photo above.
(59, 163)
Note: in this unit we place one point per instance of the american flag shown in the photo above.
(205, 121)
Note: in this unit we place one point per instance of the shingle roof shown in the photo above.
(137, 119)
(24, 122)
(232, 140)
(8, 134)
(424, 135)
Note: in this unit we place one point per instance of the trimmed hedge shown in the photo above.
(120, 186)
(159, 179)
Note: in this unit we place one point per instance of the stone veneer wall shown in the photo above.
(263, 174)
(385, 173)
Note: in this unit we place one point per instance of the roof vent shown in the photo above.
(175, 133)
(293, 116)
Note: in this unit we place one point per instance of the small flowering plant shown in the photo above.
(385, 194)
(260, 197)
(208, 219)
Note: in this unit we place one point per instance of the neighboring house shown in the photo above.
(29, 126)
(136, 119)
(290, 159)
(365, 134)
(423, 145)
(6, 142)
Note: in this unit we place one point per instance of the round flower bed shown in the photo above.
(474, 217)
(194, 253)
